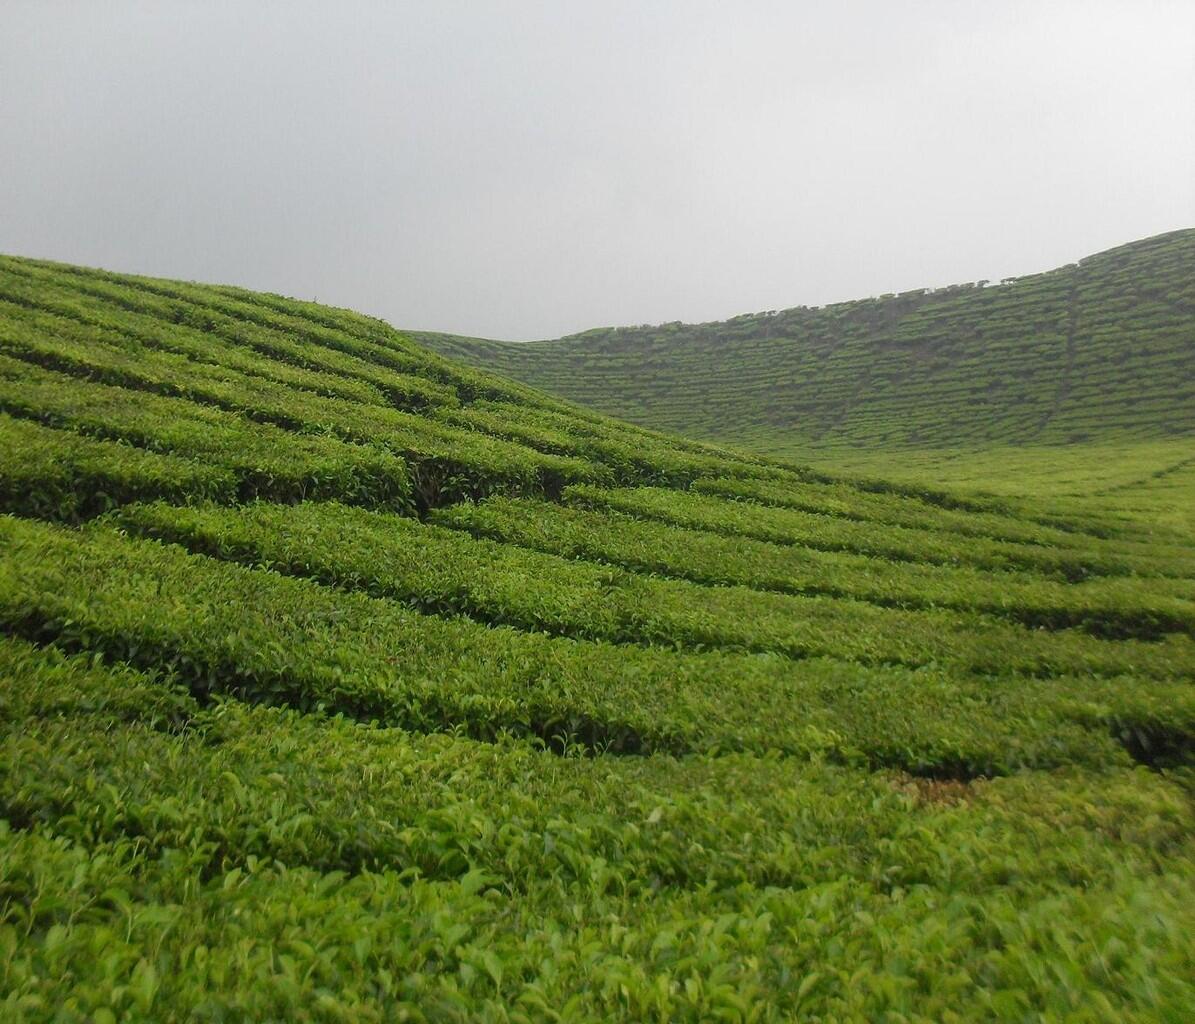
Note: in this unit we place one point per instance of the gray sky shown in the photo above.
(528, 169)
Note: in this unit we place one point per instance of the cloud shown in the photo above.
(528, 169)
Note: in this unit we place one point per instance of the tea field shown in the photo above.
(342, 681)
(1099, 351)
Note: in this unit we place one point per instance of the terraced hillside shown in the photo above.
(1102, 350)
(339, 681)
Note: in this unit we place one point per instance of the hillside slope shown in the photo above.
(340, 681)
(1101, 350)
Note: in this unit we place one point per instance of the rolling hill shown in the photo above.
(342, 681)
(1101, 352)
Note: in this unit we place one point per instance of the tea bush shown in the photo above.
(341, 681)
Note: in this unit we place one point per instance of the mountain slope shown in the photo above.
(1101, 350)
(341, 681)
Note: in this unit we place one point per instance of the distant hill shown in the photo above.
(1099, 350)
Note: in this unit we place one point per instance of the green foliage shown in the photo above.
(216, 352)
(444, 572)
(261, 863)
(265, 461)
(1094, 351)
(226, 629)
(342, 682)
(1111, 607)
(52, 474)
(896, 543)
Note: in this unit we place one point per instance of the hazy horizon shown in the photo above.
(528, 170)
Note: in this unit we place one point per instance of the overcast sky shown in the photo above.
(529, 169)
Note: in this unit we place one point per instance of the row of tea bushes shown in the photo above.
(1108, 606)
(301, 374)
(54, 474)
(209, 333)
(843, 500)
(460, 462)
(445, 572)
(98, 752)
(896, 543)
(272, 639)
(264, 460)
(160, 859)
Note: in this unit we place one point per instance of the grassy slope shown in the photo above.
(341, 681)
(977, 386)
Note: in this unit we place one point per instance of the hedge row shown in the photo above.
(48, 305)
(445, 572)
(54, 474)
(98, 932)
(856, 504)
(1108, 607)
(205, 326)
(264, 460)
(224, 628)
(896, 543)
(206, 334)
(447, 463)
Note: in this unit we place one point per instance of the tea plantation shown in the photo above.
(340, 681)
(1098, 351)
